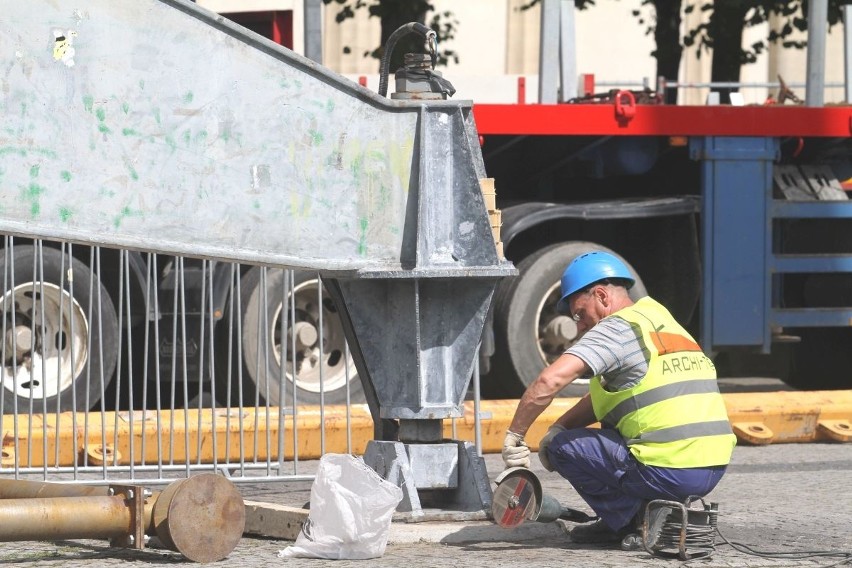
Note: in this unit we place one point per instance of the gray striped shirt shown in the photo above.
(612, 349)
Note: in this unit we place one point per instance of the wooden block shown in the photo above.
(277, 521)
(486, 185)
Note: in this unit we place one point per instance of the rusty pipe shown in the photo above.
(22, 489)
(61, 518)
(202, 516)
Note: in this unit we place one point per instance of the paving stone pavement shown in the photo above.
(785, 497)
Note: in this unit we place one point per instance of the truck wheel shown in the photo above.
(59, 350)
(529, 333)
(261, 327)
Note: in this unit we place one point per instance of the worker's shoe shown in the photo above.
(599, 533)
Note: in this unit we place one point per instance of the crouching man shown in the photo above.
(664, 430)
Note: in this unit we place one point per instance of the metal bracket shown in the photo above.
(134, 497)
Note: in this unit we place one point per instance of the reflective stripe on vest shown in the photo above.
(717, 428)
(655, 395)
(674, 416)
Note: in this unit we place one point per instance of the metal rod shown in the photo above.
(847, 51)
(548, 56)
(567, 51)
(817, 27)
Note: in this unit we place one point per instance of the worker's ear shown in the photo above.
(602, 295)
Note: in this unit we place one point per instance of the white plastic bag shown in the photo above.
(351, 512)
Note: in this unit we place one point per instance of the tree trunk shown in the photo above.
(726, 29)
(667, 37)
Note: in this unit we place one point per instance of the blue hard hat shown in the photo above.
(589, 268)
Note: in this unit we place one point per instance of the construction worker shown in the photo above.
(664, 430)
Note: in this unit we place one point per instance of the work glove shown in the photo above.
(542, 446)
(515, 451)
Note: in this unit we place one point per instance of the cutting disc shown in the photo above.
(515, 500)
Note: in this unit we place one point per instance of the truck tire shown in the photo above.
(529, 333)
(64, 355)
(261, 310)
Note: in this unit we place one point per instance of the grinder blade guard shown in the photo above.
(519, 498)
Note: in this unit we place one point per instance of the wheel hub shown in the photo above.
(559, 333)
(46, 340)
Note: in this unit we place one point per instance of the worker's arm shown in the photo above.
(542, 391)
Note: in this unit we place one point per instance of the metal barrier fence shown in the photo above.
(122, 365)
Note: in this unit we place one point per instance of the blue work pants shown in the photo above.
(601, 468)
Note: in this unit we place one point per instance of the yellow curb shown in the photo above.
(226, 436)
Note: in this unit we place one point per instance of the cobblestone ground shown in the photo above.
(775, 498)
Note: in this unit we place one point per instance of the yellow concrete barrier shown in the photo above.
(200, 436)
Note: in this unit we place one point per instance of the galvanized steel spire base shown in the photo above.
(160, 126)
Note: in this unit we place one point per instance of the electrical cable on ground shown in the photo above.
(845, 556)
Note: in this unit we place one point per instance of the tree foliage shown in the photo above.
(396, 13)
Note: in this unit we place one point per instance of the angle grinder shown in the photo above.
(519, 498)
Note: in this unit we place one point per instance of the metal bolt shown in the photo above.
(111, 491)
(130, 494)
(147, 493)
(513, 502)
(131, 540)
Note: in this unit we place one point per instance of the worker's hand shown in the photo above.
(542, 446)
(515, 451)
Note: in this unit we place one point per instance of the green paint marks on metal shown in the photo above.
(200, 137)
(23, 109)
(316, 137)
(157, 115)
(65, 214)
(187, 97)
(142, 84)
(32, 193)
(24, 152)
(329, 105)
(34, 171)
(362, 239)
(101, 114)
(6, 150)
(65, 175)
(129, 132)
(125, 108)
(170, 140)
(384, 196)
(124, 214)
(133, 174)
(187, 137)
(356, 166)
(88, 101)
(104, 192)
(256, 204)
(324, 202)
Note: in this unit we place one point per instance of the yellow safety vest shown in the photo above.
(675, 416)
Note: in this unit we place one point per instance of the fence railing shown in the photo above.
(120, 364)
